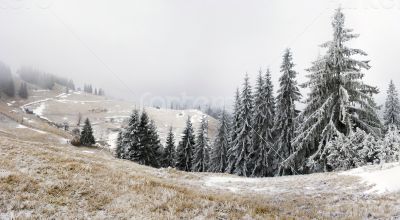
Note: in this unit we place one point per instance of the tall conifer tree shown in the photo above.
(201, 149)
(184, 154)
(286, 112)
(392, 107)
(339, 101)
(234, 128)
(242, 142)
(169, 151)
(219, 152)
(263, 122)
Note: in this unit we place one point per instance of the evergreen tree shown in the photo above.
(219, 152)
(129, 141)
(389, 150)
(242, 142)
(201, 149)
(338, 102)
(286, 113)
(347, 152)
(263, 122)
(392, 107)
(119, 151)
(6, 80)
(23, 91)
(184, 152)
(155, 146)
(169, 151)
(71, 85)
(147, 146)
(233, 133)
(87, 138)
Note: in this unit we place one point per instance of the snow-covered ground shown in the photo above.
(383, 178)
(377, 179)
(108, 115)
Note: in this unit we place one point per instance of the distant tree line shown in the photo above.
(44, 80)
(7, 85)
(88, 88)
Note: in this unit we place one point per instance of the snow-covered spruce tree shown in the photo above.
(23, 91)
(263, 122)
(242, 143)
(6, 80)
(184, 152)
(355, 150)
(146, 152)
(286, 113)
(338, 101)
(169, 151)
(389, 146)
(119, 148)
(201, 154)
(392, 107)
(155, 145)
(87, 138)
(129, 141)
(234, 128)
(219, 152)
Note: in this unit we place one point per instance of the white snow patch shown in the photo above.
(24, 127)
(39, 110)
(4, 173)
(39, 131)
(63, 140)
(112, 140)
(89, 152)
(62, 101)
(35, 102)
(235, 184)
(62, 95)
(9, 104)
(384, 178)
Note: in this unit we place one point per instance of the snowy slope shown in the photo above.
(383, 178)
(107, 115)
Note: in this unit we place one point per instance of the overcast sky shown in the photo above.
(192, 47)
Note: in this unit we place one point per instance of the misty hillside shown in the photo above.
(107, 115)
(199, 110)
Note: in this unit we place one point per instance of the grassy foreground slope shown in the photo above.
(52, 180)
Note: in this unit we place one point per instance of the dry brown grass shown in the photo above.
(52, 181)
(45, 180)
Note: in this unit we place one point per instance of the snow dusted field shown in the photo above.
(107, 115)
